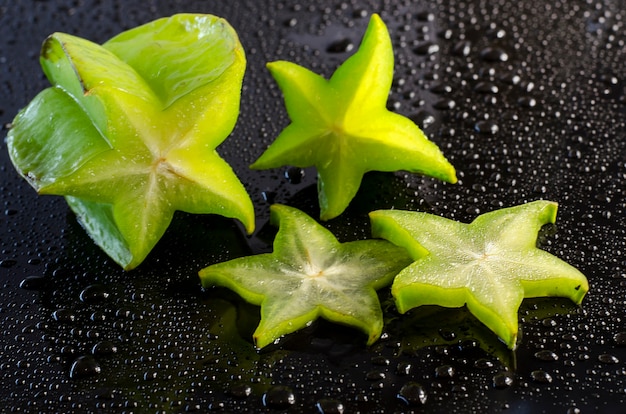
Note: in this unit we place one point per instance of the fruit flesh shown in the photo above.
(489, 265)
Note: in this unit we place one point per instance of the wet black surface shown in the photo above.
(526, 98)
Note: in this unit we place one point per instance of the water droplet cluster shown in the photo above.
(526, 98)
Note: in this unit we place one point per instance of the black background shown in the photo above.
(526, 98)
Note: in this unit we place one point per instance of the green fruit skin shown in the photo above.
(179, 73)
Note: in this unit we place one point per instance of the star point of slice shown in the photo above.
(129, 129)
(343, 128)
(309, 275)
(490, 265)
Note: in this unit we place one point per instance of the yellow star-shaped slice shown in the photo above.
(309, 275)
(490, 265)
(343, 128)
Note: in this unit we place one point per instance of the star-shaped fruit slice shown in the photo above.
(128, 131)
(490, 265)
(343, 128)
(309, 275)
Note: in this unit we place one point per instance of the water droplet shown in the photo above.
(104, 348)
(33, 282)
(94, 294)
(441, 88)
(294, 175)
(511, 78)
(269, 196)
(444, 104)
(150, 375)
(84, 366)
(8, 263)
(423, 119)
(502, 380)
(546, 355)
(447, 334)
(360, 13)
(375, 376)
(620, 338)
(279, 397)
(462, 48)
(241, 391)
(425, 16)
(468, 345)
(486, 127)
(527, 102)
(486, 87)
(494, 54)
(404, 368)
(330, 406)
(426, 48)
(380, 361)
(340, 46)
(483, 363)
(412, 393)
(68, 350)
(444, 371)
(98, 317)
(608, 359)
(63, 315)
(541, 376)
(104, 394)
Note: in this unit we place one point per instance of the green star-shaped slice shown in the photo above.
(490, 265)
(343, 128)
(128, 131)
(309, 275)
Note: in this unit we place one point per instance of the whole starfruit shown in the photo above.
(128, 130)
